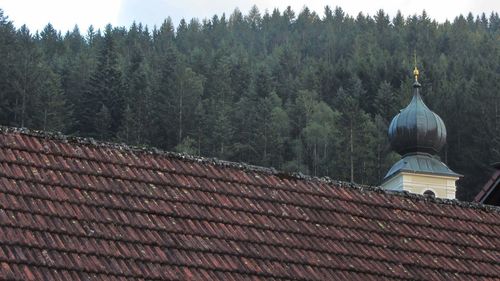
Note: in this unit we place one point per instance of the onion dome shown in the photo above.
(416, 128)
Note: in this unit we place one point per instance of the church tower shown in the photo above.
(418, 134)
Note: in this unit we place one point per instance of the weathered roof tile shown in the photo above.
(75, 209)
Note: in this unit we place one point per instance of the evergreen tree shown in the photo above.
(8, 47)
(218, 107)
(292, 90)
(386, 103)
(357, 129)
(27, 79)
(163, 128)
(319, 136)
(278, 137)
(103, 123)
(105, 91)
(56, 112)
(137, 100)
(189, 90)
(51, 45)
(129, 127)
(75, 71)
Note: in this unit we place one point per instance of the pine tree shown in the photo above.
(357, 142)
(256, 87)
(8, 47)
(75, 71)
(386, 102)
(103, 123)
(319, 136)
(27, 78)
(105, 90)
(189, 90)
(128, 131)
(164, 37)
(222, 133)
(163, 132)
(52, 102)
(278, 137)
(136, 121)
(51, 44)
(219, 107)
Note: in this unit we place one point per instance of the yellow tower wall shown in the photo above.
(442, 186)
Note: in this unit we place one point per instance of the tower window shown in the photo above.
(429, 193)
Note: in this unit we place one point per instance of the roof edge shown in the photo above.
(241, 166)
(409, 171)
(488, 187)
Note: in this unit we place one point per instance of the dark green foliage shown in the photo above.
(27, 78)
(8, 49)
(387, 102)
(51, 45)
(104, 95)
(55, 112)
(297, 91)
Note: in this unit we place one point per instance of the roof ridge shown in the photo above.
(57, 136)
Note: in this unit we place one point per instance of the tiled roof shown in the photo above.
(490, 193)
(73, 209)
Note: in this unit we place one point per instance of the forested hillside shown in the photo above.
(297, 91)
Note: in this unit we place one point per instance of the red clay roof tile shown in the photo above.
(74, 209)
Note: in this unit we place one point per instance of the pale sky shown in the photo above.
(64, 14)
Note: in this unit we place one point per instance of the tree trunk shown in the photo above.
(352, 153)
(379, 162)
(23, 106)
(181, 94)
(265, 139)
(315, 162)
(45, 119)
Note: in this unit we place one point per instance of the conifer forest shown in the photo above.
(294, 90)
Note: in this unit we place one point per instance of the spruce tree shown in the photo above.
(52, 102)
(8, 47)
(27, 79)
(105, 90)
(264, 77)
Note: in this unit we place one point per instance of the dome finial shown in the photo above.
(415, 70)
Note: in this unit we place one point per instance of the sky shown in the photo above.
(65, 14)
